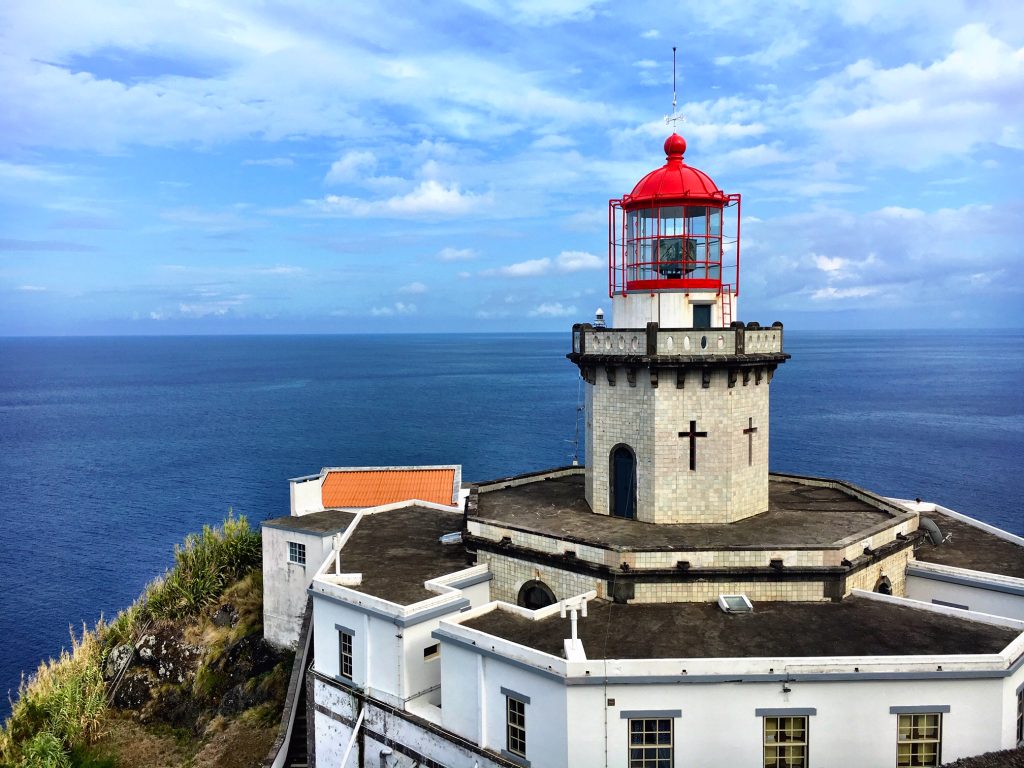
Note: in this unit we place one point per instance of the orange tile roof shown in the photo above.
(368, 488)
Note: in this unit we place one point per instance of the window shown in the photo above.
(515, 726)
(919, 739)
(1020, 716)
(785, 742)
(432, 652)
(650, 742)
(296, 553)
(345, 653)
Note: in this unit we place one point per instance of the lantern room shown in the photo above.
(673, 248)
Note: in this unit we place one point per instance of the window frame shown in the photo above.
(346, 642)
(1020, 716)
(297, 553)
(919, 741)
(650, 751)
(780, 746)
(515, 725)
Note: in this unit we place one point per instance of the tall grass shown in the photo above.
(62, 706)
(58, 708)
(204, 566)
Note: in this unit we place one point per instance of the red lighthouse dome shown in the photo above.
(671, 232)
(674, 181)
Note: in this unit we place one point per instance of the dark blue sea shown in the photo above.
(112, 449)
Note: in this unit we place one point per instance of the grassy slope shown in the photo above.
(61, 718)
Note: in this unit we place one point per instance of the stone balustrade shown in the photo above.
(666, 342)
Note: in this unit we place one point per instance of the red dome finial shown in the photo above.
(675, 146)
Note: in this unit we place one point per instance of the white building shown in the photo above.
(672, 603)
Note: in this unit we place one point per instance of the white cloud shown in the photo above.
(829, 293)
(429, 198)
(565, 262)
(645, 64)
(456, 254)
(780, 48)
(282, 270)
(552, 309)
(577, 261)
(194, 217)
(651, 34)
(352, 166)
(31, 288)
(19, 172)
(529, 268)
(271, 162)
(492, 314)
(539, 12)
(829, 264)
(921, 115)
(217, 308)
(413, 288)
(398, 308)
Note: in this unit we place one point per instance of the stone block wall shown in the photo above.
(725, 486)
(708, 591)
(510, 575)
(893, 567)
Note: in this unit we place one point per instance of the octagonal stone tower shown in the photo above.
(677, 392)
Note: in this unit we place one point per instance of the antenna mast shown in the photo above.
(675, 118)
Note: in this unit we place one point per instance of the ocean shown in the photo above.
(112, 449)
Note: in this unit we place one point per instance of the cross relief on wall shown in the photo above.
(692, 434)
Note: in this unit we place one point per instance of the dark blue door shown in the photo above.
(701, 315)
(623, 482)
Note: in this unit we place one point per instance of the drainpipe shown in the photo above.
(355, 734)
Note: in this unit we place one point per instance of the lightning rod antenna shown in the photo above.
(673, 79)
(675, 118)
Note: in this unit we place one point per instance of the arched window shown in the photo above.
(884, 586)
(535, 594)
(622, 488)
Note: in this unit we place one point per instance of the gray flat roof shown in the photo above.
(327, 522)
(852, 627)
(799, 514)
(973, 548)
(397, 551)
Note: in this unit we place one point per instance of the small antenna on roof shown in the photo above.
(675, 118)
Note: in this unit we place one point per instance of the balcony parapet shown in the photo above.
(653, 344)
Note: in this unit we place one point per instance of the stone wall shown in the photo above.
(727, 484)
(510, 574)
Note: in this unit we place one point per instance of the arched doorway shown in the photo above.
(884, 586)
(623, 485)
(535, 594)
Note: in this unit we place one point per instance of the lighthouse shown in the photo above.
(677, 395)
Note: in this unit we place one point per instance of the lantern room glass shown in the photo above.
(674, 242)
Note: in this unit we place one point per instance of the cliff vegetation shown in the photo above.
(180, 678)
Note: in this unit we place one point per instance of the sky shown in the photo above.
(208, 166)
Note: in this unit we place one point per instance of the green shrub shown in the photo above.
(59, 708)
(44, 750)
(204, 566)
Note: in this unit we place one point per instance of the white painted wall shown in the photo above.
(306, 495)
(718, 725)
(285, 583)
(388, 658)
(984, 595)
(852, 728)
(671, 309)
(332, 737)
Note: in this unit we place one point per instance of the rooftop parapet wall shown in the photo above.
(686, 344)
(927, 655)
